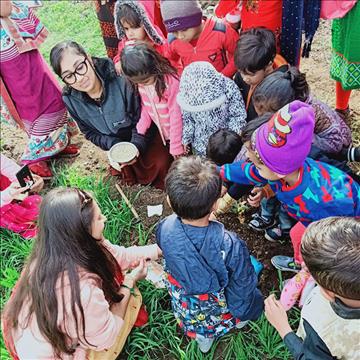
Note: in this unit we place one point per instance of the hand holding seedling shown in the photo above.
(276, 315)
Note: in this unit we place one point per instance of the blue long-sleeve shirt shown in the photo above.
(321, 191)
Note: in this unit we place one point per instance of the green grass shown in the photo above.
(160, 338)
(71, 20)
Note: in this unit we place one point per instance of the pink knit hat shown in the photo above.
(285, 140)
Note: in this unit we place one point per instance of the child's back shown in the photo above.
(209, 101)
(210, 276)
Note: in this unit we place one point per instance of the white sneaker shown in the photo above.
(204, 344)
(241, 324)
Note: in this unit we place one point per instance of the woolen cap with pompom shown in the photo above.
(284, 142)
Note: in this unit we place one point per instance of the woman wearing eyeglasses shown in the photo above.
(30, 94)
(107, 110)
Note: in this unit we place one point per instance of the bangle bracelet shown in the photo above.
(132, 290)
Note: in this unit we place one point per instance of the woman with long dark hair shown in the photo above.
(72, 297)
(107, 110)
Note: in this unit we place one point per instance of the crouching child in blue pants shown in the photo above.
(209, 274)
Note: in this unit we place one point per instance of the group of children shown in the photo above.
(210, 276)
(254, 130)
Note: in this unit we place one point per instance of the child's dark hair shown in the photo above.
(330, 249)
(280, 88)
(126, 13)
(252, 125)
(57, 52)
(255, 49)
(223, 146)
(141, 61)
(193, 185)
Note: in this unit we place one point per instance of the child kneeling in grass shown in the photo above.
(330, 319)
(210, 276)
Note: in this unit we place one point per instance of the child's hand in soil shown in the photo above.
(255, 197)
(276, 315)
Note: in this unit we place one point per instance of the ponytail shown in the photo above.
(280, 88)
(298, 83)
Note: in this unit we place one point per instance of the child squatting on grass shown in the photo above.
(73, 299)
(211, 278)
(308, 190)
(330, 319)
(209, 101)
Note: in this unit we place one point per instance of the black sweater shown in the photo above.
(115, 118)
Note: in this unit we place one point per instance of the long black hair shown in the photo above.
(139, 62)
(280, 88)
(64, 246)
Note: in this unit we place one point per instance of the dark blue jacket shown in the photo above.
(116, 118)
(206, 259)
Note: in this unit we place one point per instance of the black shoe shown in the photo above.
(260, 223)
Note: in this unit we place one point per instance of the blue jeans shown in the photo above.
(270, 208)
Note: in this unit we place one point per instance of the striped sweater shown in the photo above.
(165, 113)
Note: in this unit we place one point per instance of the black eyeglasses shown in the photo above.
(81, 69)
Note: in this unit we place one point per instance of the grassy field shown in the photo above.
(160, 339)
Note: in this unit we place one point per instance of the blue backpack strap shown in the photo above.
(219, 26)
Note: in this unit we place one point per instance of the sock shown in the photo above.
(342, 97)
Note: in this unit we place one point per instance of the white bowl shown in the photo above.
(122, 152)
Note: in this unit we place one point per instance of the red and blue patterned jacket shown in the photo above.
(321, 191)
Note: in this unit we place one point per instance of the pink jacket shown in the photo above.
(101, 325)
(165, 113)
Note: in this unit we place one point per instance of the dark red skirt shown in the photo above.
(105, 14)
(151, 167)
